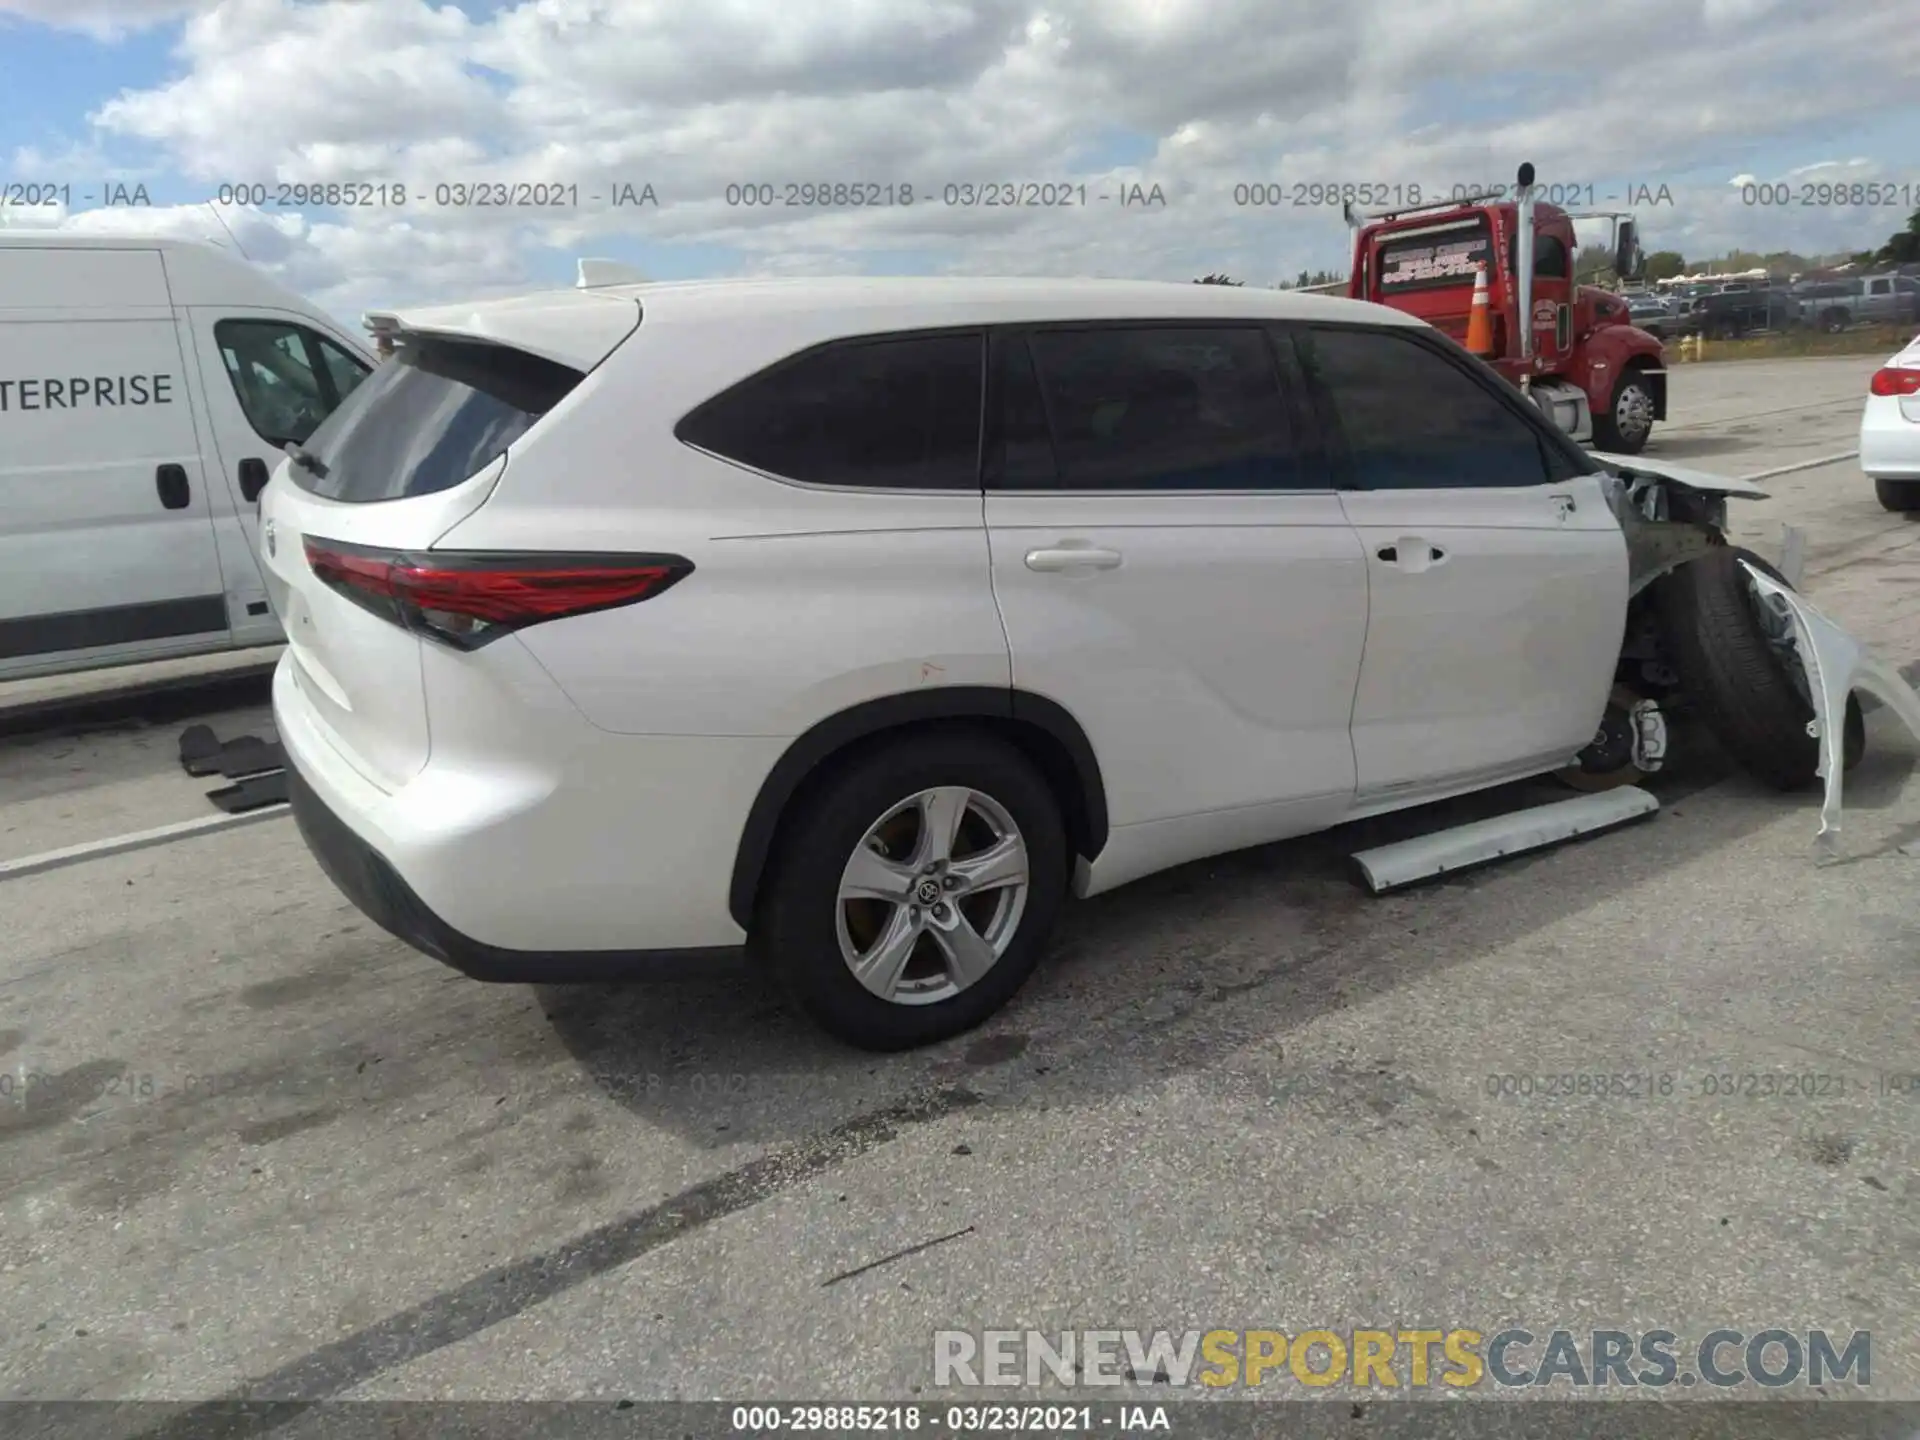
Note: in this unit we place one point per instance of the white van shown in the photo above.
(147, 389)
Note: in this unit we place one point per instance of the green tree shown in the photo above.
(1903, 248)
(1665, 264)
(1217, 280)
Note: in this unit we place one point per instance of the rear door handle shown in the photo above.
(1072, 557)
(1411, 555)
(253, 478)
(171, 482)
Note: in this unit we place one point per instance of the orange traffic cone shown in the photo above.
(1480, 318)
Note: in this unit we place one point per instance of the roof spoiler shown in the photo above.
(597, 273)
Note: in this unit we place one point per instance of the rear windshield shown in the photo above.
(1434, 256)
(436, 414)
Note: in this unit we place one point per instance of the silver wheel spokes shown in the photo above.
(932, 896)
(1634, 413)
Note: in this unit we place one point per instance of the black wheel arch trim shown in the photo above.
(873, 717)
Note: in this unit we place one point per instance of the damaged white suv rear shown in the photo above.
(859, 623)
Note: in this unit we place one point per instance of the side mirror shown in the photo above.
(1628, 261)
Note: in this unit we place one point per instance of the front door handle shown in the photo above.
(171, 482)
(1411, 555)
(1563, 505)
(253, 478)
(1072, 557)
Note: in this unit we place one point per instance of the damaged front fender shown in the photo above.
(1836, 665)
(1669, 514)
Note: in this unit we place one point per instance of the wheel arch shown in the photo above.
(1042, 729)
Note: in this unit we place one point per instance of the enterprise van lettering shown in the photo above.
(79, 391)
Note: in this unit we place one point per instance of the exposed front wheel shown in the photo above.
(1628, 421)
(1737, 665)
(1898, 495)
(915, 890)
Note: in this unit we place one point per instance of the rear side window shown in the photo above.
(901, 414)
(1157, 408)
(1415, 420)
(435, 415)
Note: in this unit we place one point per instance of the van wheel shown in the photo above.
(1898, 495)
(1624, 429)
(1735, 663)
(915, 889)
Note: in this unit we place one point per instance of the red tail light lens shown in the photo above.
(466, 600)
(1897, 380)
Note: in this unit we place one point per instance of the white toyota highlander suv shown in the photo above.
(858, 622)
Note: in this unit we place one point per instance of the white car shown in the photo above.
(855, 623)
(1890, 431)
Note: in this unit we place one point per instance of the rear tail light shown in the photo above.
(467, 600)
(1897, 380)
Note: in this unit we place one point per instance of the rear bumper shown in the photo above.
(365, 877)
(1890, 440)
(531, 847)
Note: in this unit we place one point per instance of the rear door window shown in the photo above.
(1414, 419)
(1155, 408)
(432, 417)
(898, 414)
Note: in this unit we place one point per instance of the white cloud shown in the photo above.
(105, 18)
(693, 97)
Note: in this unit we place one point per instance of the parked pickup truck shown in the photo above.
(1834, 305)
(1734, 311)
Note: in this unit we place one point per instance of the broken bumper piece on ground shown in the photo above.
(1836, 665)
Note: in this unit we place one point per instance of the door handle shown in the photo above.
(1563, 505)
(171, 482)
(1411, 555)
(253, 478)
(1072, 557)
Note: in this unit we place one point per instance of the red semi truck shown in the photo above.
(1598, 376)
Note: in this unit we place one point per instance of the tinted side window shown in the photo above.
(273, 378)
(1413, 419)
(343, 370)
(1152, 408)
(894, 414)
(1550, 257)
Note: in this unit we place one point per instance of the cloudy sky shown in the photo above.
(1182, 104)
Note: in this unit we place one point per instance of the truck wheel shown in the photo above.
(1834, 321)
(1733, 668)
(1628, 421)
(1899, 495)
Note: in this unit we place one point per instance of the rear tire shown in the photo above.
(873, 809)
(1898, 495)
(1730, 669)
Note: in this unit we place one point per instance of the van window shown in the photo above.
(286, 378)
(890, 414)
(1415, 420)
(1154, 408)
(435, 415)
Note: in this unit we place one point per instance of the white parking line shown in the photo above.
(137, 840)
(1805, 465)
